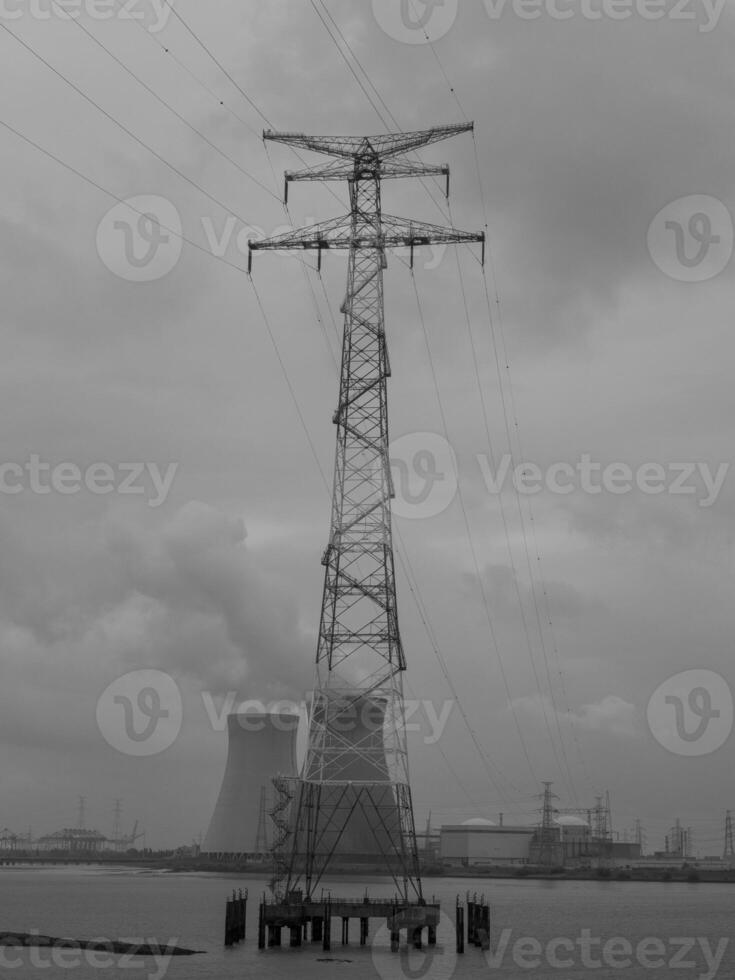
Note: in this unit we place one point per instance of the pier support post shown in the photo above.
(395, 940)
(460, 928)
(244, 914)
(296, 933)
(364, 930)
(228, 924)
(345, 930)
(417, 941)
(327, 940)
(261, 927)
(317, 924)
(431, 935)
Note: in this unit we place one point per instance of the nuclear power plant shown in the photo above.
(353, 755)
(260, 747)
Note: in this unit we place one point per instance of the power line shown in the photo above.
(370, 83)
(352, 70)
(121, 126)
(219, 64)
(168, 106)
(456, 98)
(357, 62)
(109, 193)
(431, 634)
(491, 627)
(485, 415)
(168, 51)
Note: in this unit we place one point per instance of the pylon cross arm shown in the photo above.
(345, 170)
(392, 232)
(385, 144)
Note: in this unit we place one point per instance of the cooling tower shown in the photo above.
(356, 820)
(259, 747)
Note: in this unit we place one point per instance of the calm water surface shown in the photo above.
(553, 929)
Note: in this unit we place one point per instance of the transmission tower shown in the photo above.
(728, 850)
(548, 836)
(117, 825)
(640, 834)
(354, 797)
(261, 836)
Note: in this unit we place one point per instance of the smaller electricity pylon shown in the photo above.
(548, 834)
(354, 797)
(728, 852)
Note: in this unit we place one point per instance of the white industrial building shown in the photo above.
(480, 841)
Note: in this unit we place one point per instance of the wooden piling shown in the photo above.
(459, 927)
(228, 924)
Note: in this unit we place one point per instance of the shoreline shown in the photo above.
(691, 873)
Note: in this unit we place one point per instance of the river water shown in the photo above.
(540, 929)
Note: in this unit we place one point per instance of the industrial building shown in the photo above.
(260, 746)
(73, 840)
(480, 841)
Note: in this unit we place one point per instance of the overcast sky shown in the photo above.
(616, 320)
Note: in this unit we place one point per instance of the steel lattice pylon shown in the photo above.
(354, 798)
